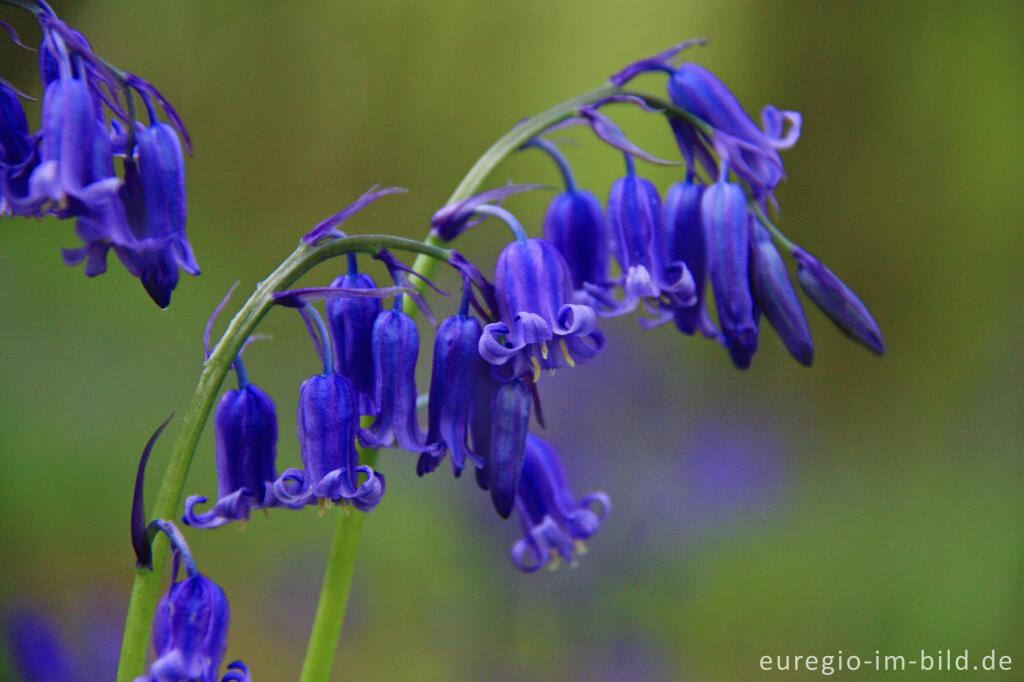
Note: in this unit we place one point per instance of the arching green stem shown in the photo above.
(147, 587)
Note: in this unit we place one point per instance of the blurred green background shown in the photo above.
(861, 505)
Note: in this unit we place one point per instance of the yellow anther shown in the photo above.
(328, 503)
(565, 352)
(544, 349)
(536, 369)
(320, 506)
(580, 547)
(554, 563)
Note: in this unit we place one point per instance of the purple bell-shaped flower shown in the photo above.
(396, 345)
(351, 323)
(246, 442)
(190, 627)
(554, 523)
(457, 366)
(327, 423)
(637, 224)
(727, 231)
(538, 327)
(686, 243)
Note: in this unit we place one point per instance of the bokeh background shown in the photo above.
(865, 504)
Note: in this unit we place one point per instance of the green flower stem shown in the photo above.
(330, 610)
(147, 587)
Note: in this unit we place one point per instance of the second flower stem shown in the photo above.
(330, 610)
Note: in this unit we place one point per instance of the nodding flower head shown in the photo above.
(396, 345)
(727, 231)
(190, 631)
(638, 234)
(351, 323)
(538, 328)
(327, 423)
(456, 369)
(328, 419)
(153, 195)
(554, 523)
(18, 158)
(575, 225)
(190, 627)
(246, 442)
(76, 164)
(686, 244)
(750, 151)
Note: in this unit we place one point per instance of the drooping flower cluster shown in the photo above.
(539, 312)
(67, 167)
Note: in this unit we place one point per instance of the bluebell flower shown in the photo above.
(751, 152)
(76, 159)
(328, 419)
(18, 158)
(775, 296)
(837, 301)
(533, 288)
(351, 323)
(575, 225)
(190, 626)
(153, 195)
(686, 243)
(727, 231)
(396, 345)
(456, 369)
(554, 524)
(246, 443)
(637, 223)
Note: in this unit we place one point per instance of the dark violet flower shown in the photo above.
(750, 151)
(190, 627)
(637, 224)
(351, 323)
(837, 301)
(727, 231)
(327, 423)
(456, 368)
(775, 296)
(575, 225)
(533, 287)
(76, 163)
(554, 523)
(18, 158)
(246, 442)
(154, 201)
(686, 243)
(396, 345)
(510, 419)
(328, 419)
(190, 631)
